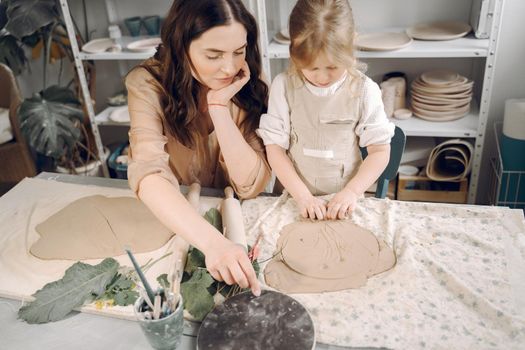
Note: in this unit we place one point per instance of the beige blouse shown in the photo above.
(154, 151)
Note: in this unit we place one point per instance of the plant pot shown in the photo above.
(93, 168)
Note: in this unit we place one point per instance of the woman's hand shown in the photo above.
(311, 207)
(229, 262)
(341, 204)
(224, 95)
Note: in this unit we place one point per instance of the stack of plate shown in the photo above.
(441, 96)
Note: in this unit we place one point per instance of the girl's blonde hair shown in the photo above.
(322, 26)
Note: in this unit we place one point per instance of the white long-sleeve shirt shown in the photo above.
(373, 127)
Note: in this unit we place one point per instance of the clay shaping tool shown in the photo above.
(270, 321)
(232, 219)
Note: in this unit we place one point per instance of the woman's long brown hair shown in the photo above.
(179, 92)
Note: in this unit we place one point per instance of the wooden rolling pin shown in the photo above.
(232, 219)
(180, 246)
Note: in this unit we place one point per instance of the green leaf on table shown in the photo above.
(163, 281)
(56, 299)
(126, 297)
(213, 216)
(194, 261)
(197, 300)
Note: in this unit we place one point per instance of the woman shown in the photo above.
(194, 109)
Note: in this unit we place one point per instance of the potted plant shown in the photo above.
(52, 120)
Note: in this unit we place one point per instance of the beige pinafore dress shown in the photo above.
(324, 147)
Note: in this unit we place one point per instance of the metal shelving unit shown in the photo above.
(124, 55)
(83, 84)
(481, 51)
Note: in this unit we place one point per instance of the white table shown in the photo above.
(80, 330)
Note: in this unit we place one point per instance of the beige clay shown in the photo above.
(99, 227)
(326, 256)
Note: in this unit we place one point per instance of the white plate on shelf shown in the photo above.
(439, 77)
(438, 108)
(441, 102)
(460, 89)
(285, 33)
(445, 30)
(441, 116)
(455, 96)
(144, 45)
(280, 39)
(98, 45)
(383, 41)
(120, 115)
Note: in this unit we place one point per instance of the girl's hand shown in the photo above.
(311, 207)
(341, 204)
(224, 95)
(229, 262)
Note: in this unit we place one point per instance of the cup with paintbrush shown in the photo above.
(160, 313)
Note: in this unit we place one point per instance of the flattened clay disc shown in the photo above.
(328, 249)
(270, 321)
(99, 227)
(279, 276)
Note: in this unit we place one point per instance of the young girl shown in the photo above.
(321, 111)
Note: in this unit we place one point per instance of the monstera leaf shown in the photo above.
(48, 121)
(80, 283)
(27, 16)
(11, 54)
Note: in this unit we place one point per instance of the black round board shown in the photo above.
(271, 321)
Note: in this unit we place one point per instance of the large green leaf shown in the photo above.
(197, 300)
(56, 299)
(48, 124)
(27, 16)
(60, 94)
(195, 260)
(12, 54)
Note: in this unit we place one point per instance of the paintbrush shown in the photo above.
(145, 283)
(175, 282)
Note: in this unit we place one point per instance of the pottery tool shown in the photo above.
(145, 283)
(232, 219)
(270, 321)
(181, 247)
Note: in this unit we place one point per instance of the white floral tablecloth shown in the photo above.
(459, 282)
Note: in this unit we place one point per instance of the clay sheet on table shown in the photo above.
(459, 281)
(31, 202)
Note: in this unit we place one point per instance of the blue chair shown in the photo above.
(397, 146)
